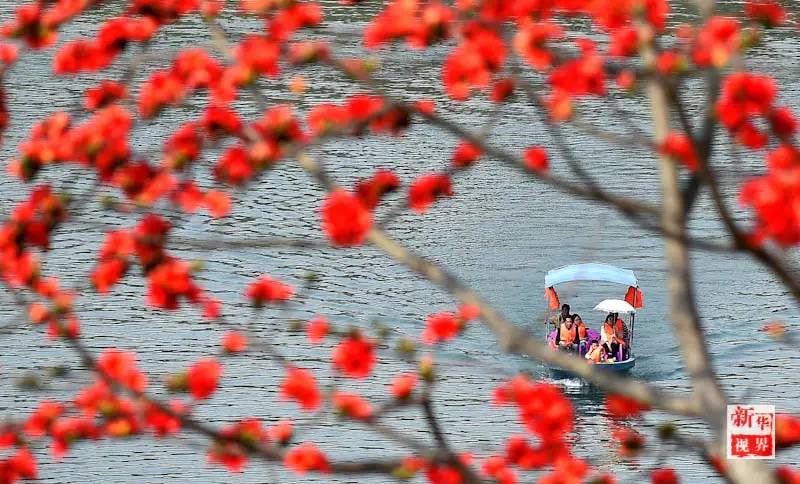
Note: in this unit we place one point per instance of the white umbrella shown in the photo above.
(615, 306)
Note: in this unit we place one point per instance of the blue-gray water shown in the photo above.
(500, 233)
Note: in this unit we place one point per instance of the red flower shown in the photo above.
(8, 53)
(203, 377)
(20, 465)
(536, 159)
(773, 197)
(442, 326)
(473, 62)
(770, 13)
(783, 122)
(317, 329)
(403, 385)
(234, 167)
(121, 367)
(221, 121)
(543, 408)
(787, 430)
(497, 468)
(114, 260)
(669, 62)
(211, 308)
(580, 77)
(716, 41)
(624, 42)
(234, 342)
(232, 450)
(371, 190)
(30, 26)
(680, 147)
(301, 385)
(664, 476)
(426, 189)
(531, 43)
(345, 219)
(354, 356)
(182, 147)
(352, 405)
(787, 475)
(268, 291)
(170, 281)
(306, 457)
(104, 94)
(281, 432)
(257, 55)
(465, 154)
(502, 89)
(164, 422)
(468, 312)
(620, 406)
(68, 430)
(630, 441)
(218, 203)
(38, 424)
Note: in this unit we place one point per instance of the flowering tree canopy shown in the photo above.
(554, 57)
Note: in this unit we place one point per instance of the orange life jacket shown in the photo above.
(581, 330)
(567, 335)
(607, 331)
(620, 331)
(596, 355)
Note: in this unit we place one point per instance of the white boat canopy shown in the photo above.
(614, 306)
(590, 272)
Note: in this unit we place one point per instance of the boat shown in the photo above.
(624, 308)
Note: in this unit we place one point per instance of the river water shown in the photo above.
(500, 233)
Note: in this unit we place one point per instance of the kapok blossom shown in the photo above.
(403, 385)
(426, 189)
(354, 356)
(352, 405)
(267, 290)
(620, 406)
(316, 329)
(234, 342)
(306, 457)
(442, 326)
(301, 386)
(203, 377)
(345, 219)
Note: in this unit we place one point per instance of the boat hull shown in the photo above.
(617, 367)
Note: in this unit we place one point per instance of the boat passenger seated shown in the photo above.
(582, 333)
(607, 330)
(614, 349)
(596, 353)
(621, 330)
(560, 317)
(567, 335)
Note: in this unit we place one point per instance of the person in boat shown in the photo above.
(580, 326)
(561, 317)
(621, 330)
(596, 353)
(607, 330)
(613, 349)
(567, 335)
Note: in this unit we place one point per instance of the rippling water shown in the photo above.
(500, 233)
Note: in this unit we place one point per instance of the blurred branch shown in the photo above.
(683, 309)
